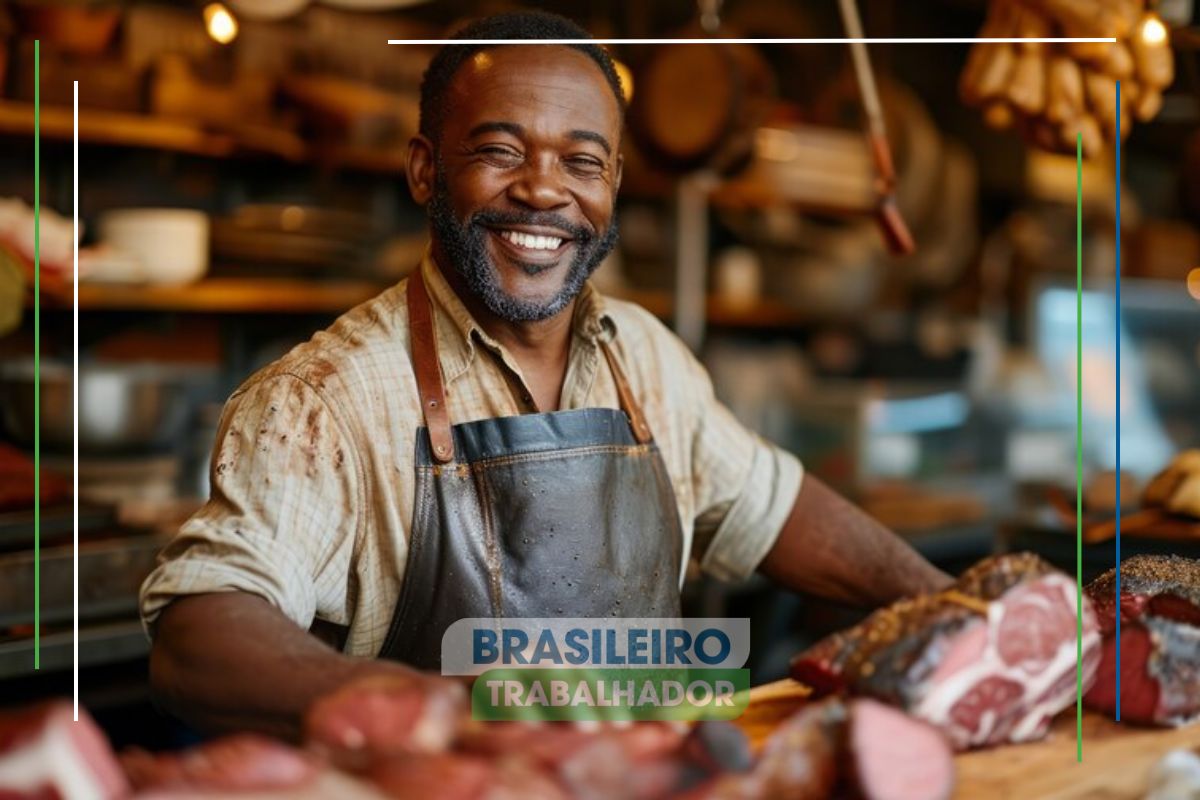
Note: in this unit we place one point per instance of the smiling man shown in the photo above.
(489, 438)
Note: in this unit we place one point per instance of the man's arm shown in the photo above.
(232, 661)
(831, 548)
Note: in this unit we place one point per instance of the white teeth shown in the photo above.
(531, 242)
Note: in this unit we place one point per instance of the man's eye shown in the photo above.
(586, 164)
(500, 153)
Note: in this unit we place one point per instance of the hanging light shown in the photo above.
(220, 23)
(1153, 31)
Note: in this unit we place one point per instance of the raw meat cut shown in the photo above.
(462, 777)
(44, 753)
(241, 763)
(990, 660)
(637, 761)
(387, 715)
(862, 748)
(1160, 640)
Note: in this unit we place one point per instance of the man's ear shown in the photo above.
(620, 168)
(419, 168)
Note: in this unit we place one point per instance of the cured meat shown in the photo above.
(894, 757)
(990, 660)
(1160, 640)
(387, 715)
(833, 749)
(44, 753)
(800, 760)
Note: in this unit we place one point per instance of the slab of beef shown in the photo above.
(44, 753)
(990, 660)
(861, 749)
(1160, 640)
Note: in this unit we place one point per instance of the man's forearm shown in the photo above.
(831, 548)
(231, 661)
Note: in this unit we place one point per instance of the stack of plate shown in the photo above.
(279, 239)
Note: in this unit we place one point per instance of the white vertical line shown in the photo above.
(75, 392)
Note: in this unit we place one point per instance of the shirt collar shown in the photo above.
(457, 331)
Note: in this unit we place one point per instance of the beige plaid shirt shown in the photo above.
(313, 478)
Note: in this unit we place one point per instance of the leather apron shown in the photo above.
(566, 514)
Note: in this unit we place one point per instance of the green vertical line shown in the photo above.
(37, 354)
(1078, 447)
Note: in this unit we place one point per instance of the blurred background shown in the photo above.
(241, 186)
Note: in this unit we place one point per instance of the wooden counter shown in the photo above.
(1116, 758)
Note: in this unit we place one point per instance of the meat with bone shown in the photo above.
(990, 660)
(862, 748)
(44, 753)
(1160, 640)
(387, 715)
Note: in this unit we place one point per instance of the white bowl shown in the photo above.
(170, 243)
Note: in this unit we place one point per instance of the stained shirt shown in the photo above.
(312, 473)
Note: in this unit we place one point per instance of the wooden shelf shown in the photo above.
(115, 128)
(224, 296)
(123, 129)
(299, 296)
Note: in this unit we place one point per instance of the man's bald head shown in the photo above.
(445, 64)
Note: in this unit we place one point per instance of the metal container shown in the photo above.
(122, 407)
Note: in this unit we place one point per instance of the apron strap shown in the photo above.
(629, 403)
(428, 369)
(429, 376)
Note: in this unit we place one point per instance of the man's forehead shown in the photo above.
(527, 76)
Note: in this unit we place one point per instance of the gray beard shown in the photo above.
(465, 244)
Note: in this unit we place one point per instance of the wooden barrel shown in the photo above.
(697, 106)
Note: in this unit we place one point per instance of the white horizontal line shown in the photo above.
(966, 40)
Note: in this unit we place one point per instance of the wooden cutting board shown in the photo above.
(1116, 758)
(1116, 764)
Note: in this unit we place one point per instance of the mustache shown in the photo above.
(548, 219)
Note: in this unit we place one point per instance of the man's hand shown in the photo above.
(831, 548)
(233, 662)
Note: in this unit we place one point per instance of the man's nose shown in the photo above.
(539, 185)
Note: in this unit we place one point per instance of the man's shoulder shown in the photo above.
(366, 345)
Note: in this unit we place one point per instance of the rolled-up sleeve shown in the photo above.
(744, 487)
(281, 520)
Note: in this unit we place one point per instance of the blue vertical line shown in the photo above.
(1079, 447)
(1117, 389)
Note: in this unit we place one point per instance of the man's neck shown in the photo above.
(541, 348)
